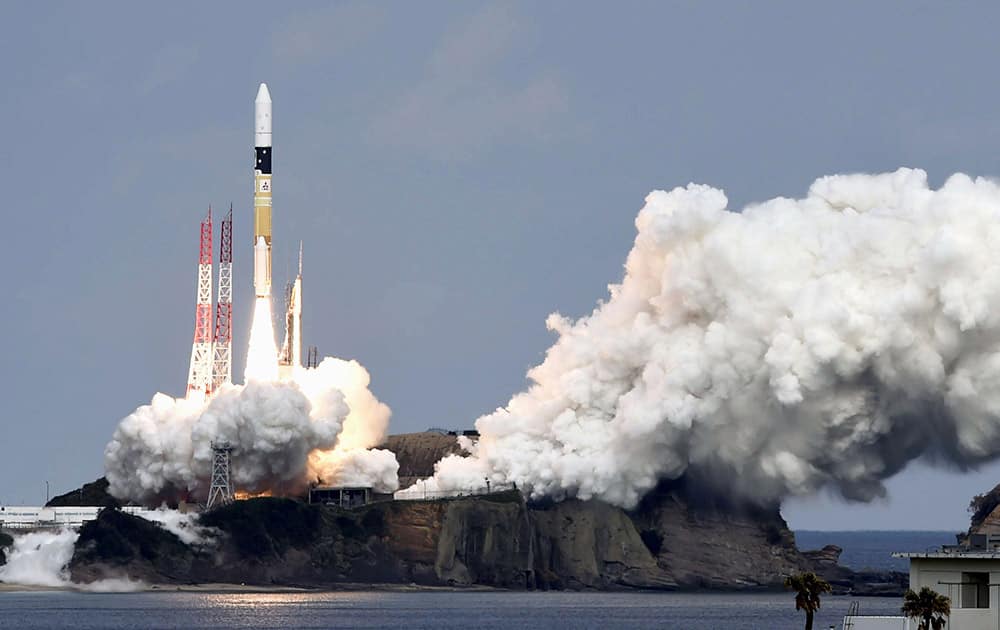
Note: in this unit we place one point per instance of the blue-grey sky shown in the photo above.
(457, 171)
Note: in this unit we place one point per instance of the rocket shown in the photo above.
(262, 193)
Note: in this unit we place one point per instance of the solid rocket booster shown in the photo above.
(262, 193)
(261, 271)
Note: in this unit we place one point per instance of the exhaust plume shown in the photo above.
(284, 433)
(796, 345)
(262, 354)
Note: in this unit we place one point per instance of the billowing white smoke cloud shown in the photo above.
(42, 559)
(279, 431)
(798, 344)
(39, 558)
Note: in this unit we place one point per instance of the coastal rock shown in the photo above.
(5, 541)
(418, 452)
(94, 493)
(119, 545)
(702, 545)
(497, 540)
(985, 509)
(678, 537)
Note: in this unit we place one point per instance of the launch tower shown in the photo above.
(221, 492)
(200, 370)
(222, 352)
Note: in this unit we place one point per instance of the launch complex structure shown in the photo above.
(212, 349)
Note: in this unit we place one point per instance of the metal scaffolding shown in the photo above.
(222, 371)
(200, 372)
(221, 492)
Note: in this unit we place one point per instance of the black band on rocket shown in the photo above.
(263, 160)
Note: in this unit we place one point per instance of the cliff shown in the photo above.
(985, 511)
(497, 540)
(119, 544)
(5, 541)
(94, 493)
(717, 545)
(674, 539)
(418, 452)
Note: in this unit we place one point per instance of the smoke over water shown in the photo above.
(319, 425)
(796, 345)
(42, 558)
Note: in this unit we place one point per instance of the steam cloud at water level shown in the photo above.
(41, 558)
(798, 344)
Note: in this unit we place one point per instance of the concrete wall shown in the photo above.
(29, 517)
(944, 575)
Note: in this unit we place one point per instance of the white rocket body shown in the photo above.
(262, 117)
(262, 193)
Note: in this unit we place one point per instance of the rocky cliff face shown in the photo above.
(713, 546)
(5, 541)
(94, 493)
(674, 539)
(418, 452)
(985, 509)
(121, 545)
(496, 540)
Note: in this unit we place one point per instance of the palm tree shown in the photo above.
(808, 587)
(928, 606)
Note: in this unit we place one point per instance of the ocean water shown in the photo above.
(873, 549)
(472, 609)
(417, 610)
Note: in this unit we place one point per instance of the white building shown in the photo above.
(32, 517)
(968, 575)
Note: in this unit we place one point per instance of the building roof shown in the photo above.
(315, 488)
(949, 555)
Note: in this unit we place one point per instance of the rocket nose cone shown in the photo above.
(263, 96)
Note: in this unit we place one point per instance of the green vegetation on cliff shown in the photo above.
(117, 536)
(266, 526)
(94, 493)
(117, 543)
(982, 505)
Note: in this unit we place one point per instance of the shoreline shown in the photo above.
(224, 587)
(377, 587)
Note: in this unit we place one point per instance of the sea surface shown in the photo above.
(471, 609)
(416, 610)
(873, 549)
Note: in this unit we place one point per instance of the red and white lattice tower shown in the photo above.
(222, 370)
(200, 373)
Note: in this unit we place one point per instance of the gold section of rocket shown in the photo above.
(262, 207)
